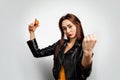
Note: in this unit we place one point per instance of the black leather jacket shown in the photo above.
(71, 60)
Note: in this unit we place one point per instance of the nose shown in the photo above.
(68, 30)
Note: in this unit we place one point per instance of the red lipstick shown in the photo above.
(69, 34)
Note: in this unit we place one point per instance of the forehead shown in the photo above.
(66, 22)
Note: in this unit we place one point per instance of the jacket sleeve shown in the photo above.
(32, 44)
(86, 71)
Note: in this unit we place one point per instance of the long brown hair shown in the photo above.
(76, 22)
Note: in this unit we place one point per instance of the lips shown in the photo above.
(69, 35)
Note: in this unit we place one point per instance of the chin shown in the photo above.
(71, 37)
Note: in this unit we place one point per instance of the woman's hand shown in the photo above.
(32, 27)
(88, 43)
(87, 46)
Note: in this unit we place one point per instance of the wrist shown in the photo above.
(32, 35)
(87, 52)
(31, 32)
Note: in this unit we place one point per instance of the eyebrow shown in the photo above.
(67, 25)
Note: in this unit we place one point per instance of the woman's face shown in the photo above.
(69, 29)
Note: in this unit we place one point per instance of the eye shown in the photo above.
(70, 26)
(63, 28)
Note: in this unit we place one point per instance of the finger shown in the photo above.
(31, 25)
(85, 39)
(88, 38)
(94, 36)
(91, 37)
(36, 23)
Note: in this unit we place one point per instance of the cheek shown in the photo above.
(74, 30)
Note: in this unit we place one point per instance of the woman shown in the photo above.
(72, 56)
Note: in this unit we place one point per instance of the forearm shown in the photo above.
(86, 59)
(37, 52)
(32, 36)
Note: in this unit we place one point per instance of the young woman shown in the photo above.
(72, 56)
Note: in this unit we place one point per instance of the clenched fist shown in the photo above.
(32, 27)
(88, 44)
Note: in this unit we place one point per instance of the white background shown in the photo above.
(100, 17)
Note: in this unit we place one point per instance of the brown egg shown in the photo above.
(36, 22)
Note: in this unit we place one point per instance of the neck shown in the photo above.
(72, 40)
